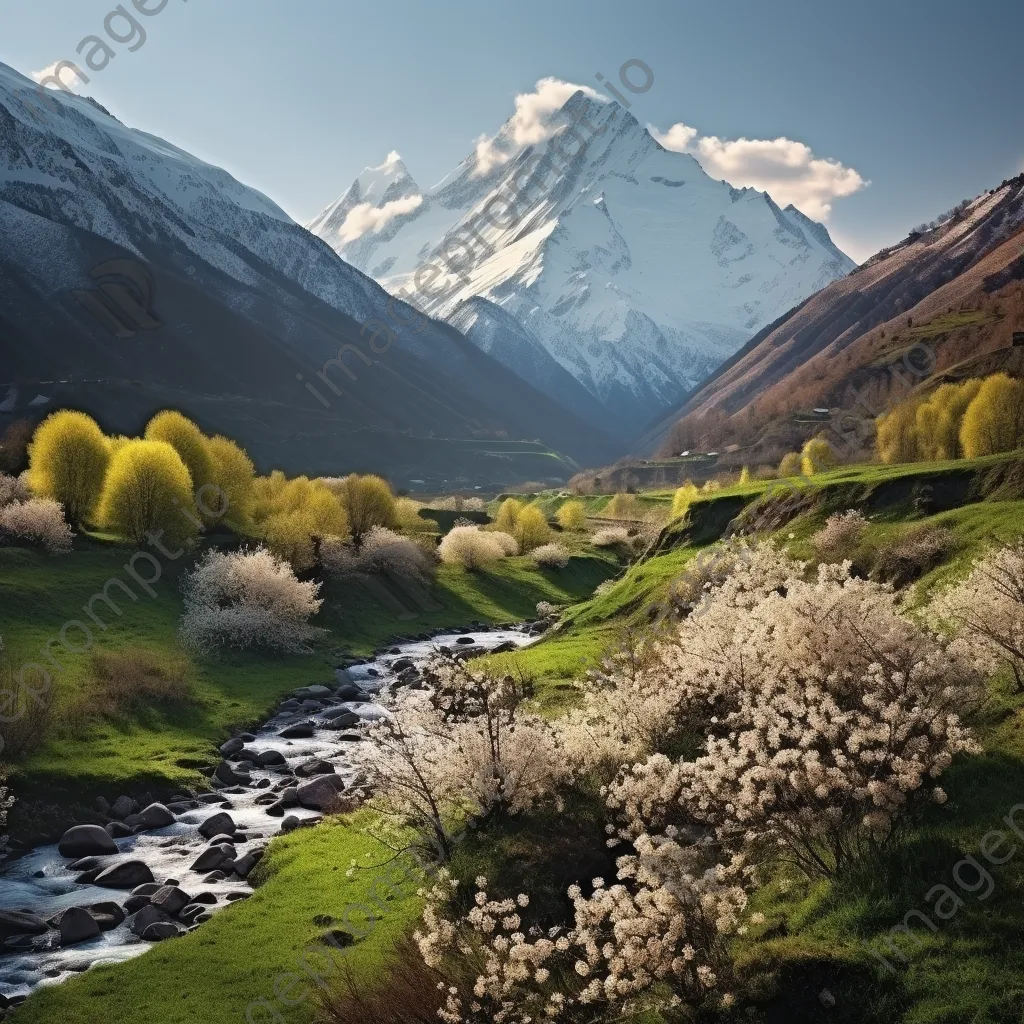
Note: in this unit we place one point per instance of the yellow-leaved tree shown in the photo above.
(148, 490)
(67, 459)
(508, 516)
(572, 515)
(683, 497)
(994, 421)
(531, 529)
(817, 457)
(368, 502)
(233, 473)
(187, 440)
(790, 464)
(896, 439)
(951, 402)
(293, 516)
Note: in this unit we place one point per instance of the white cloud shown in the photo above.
(789, 171)
(68, 77)
(366, 217)
(530, 124)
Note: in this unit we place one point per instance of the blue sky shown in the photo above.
(921, 99)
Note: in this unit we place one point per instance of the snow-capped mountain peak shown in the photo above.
(634, 269)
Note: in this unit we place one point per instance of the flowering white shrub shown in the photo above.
(610, 536)
(382, 551)
(465, 746)
(547, 610)
(37, 521)
(986, 610)
(655, 940)
(648, 692)
(827, 711)
(248, 599)
(508, 543)
(13, 488)
(840, 535)
(551, 556)
(470, 547)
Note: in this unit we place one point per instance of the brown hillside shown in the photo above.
(940, 305)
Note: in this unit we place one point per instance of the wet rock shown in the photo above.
(50, 939)
(465, 640)
(123, 806)
(171, 881)
(276, 810)
(245, 864)
(117, 829)
(146, 889)
(135, 903)
(247, 755)
(247, 737)
(350, 692)
(217, 824)
(289, 797)
(107, 915)
(319, 793)
(264, 799)
(316, 690)
(191, 912)
(88, 877)
(214, 876)
(85, 841)
(290, 823)
(344, 717)
(145, 918)
(299, 731)
(204, 897)
(402, 663)
(263, 784)
(203, 918)
(182, 807)
(156, 816)
(232, 746)
(75, 925)
(234, 897)
(504, 648)
(126, 875)
(88, 864)
(271, 757)
(160, 930)
(314, 766)
(225, 774)
(104, 807)
(214, 858)
(350, 737)
(211, 798)
(16, 922)
(170, 899)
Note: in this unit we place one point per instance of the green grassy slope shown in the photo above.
(255, 949)
(969, 970)
(88, 756)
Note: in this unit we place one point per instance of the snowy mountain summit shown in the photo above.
(610, 272)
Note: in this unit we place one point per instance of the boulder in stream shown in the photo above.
(170, 899)
(86, 841)
(217, 824)
(156, 816)
(125, 875)
(107, 915)
(299, 731)
(319, 793)
(76, 925)
(16, 922)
